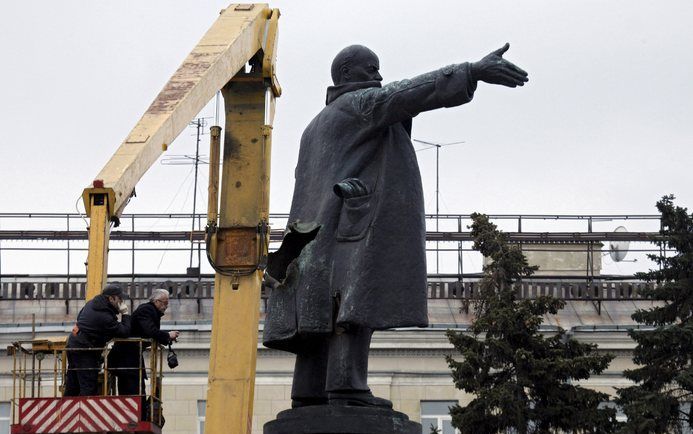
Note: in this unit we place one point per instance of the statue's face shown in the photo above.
(364, 67)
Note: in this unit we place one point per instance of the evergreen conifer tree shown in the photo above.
(521, 379)
(664, 378)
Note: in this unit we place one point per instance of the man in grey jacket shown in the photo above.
(353, 258)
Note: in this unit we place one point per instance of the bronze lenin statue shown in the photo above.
(353, 257)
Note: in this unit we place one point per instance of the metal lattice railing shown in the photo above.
(567, 289)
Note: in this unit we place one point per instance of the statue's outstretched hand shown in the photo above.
(494, 69)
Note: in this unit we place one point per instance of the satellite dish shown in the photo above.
(619, 249)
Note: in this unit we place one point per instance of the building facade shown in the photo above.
(406, 366)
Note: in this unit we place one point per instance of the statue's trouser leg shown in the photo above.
(347, 365)
(310, 372)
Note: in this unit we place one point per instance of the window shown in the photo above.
(4, 417)
(437, 414)
(201, 411)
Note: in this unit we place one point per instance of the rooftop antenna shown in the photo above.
(437, 146)
(196, 160)
(619, 249)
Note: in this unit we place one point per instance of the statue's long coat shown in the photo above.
(366, 266)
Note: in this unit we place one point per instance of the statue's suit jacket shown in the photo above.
(358, 261)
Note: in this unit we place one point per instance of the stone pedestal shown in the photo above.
(332, 419)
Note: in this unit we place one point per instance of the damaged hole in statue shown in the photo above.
(298, 235)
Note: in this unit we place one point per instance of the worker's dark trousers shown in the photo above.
(338, 363)
(82, 373)
(128, 380)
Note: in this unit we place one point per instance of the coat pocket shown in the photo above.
(355, 218)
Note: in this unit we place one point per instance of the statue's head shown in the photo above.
(355, 63)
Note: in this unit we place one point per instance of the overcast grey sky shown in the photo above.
(603, 126)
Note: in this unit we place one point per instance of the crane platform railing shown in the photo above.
(39, 376)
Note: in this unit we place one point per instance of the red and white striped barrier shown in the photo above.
(80, 414)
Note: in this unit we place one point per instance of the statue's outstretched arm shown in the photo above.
(450, 86)
(402, 100)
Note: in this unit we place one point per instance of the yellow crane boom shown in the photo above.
(238, 230)
(233, 40)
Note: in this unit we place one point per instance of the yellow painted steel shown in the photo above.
(242, 34)
(233, 353)
(235, 37)
(99, 234)
(269, 61)
(213, 188)
(244, 205)
(245, 171)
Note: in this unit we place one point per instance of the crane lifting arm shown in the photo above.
(238, 230)
(240, 32)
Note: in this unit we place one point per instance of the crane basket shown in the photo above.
(39, 372)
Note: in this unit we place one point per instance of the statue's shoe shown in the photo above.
(358, 398)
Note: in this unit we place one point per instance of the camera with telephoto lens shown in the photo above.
(172, 358)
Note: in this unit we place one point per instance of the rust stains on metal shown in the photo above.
(237, 247)
(185, 78)
(170, 96)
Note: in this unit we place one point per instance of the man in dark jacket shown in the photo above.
(353, 259)
(97, 323)
(126, 357)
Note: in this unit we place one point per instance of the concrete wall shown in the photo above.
(563, 259)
